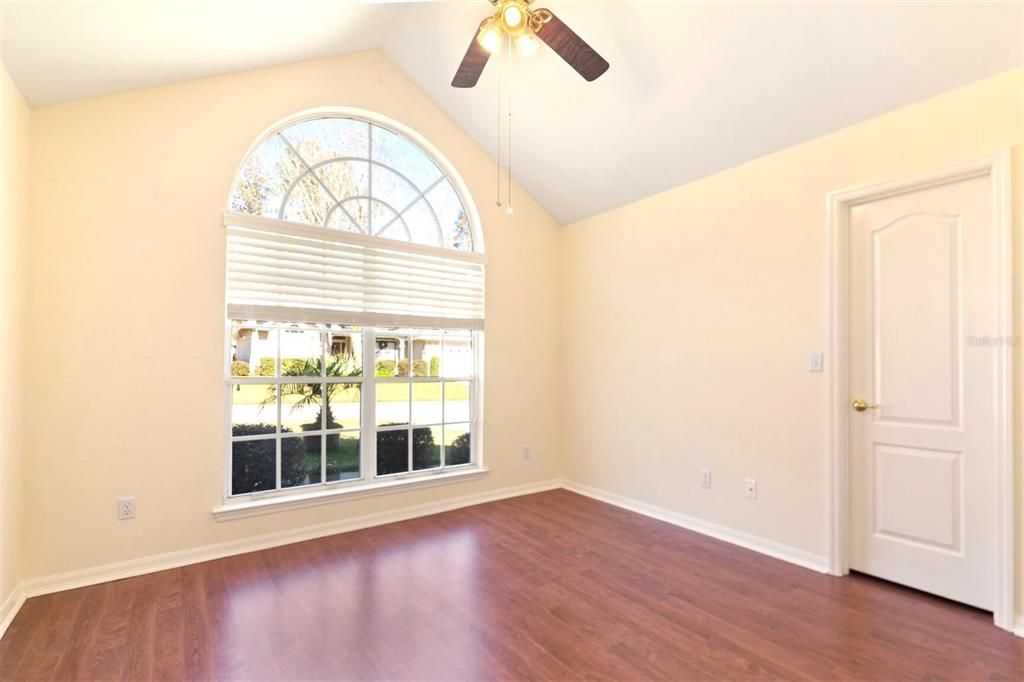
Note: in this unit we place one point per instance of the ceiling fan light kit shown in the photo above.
(516, 24)
(522, 29)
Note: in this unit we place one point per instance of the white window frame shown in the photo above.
(261, 502)
(368, 429)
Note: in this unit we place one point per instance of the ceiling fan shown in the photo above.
(523, 25)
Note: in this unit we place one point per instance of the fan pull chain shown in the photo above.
(509, 209)
(497, 192)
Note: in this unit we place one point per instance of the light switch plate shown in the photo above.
(815, 361)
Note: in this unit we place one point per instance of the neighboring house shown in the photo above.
(251, 345)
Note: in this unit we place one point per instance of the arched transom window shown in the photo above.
(353, 175)
(355, 315)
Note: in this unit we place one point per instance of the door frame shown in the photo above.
(997, 167)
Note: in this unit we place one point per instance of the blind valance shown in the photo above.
(290, 272)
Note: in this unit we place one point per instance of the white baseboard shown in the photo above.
(134, 567)
(770, 548)
(160, 562)
(9, 609)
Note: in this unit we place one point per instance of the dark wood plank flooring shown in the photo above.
(547, 586)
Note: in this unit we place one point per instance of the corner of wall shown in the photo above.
(14, 217)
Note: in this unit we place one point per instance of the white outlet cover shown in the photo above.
(750, 488)
(125, 508)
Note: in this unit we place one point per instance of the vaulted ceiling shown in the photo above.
(694, 88)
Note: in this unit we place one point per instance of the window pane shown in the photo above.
(392, 348)
(458, 355)
(301, 352)
(426, 403)
(253, 409)
(456, 401)
(344, 352)
(300, 461)
(346, 179)
(357, 212)
(330, 138)
(392, 404)
(255, 348)
(425, 352)
(308, 203)
(300, 407)
(456, 444)
(392, 452)
(452, 216)
(423, 224)
(392, 189)
(253, 466)
(339, 220)
(386, 223)
(242, 336)
(405, 157)
(343, 402)
(265, 179)
(426, 448)
(393, 229)
(342, 456)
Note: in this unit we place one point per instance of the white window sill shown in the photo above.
(247, 506)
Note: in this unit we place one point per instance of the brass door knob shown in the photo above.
(861, 405)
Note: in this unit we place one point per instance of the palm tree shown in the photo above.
(343, 365)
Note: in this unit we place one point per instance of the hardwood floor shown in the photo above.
(547, 586)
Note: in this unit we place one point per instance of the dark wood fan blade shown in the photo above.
(570, 47)
(472, 65)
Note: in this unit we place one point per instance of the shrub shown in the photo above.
(299, 367)
(458, 452)
(393, 453)
(254, 462)
(266, 367)
(385, 368)
(419, 368)
(239, 369)
(435, 366)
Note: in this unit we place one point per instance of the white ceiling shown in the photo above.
(694, 88)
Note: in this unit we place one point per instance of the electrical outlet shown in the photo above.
(527, 452)
(705, 478)
(750, 488)
(125, 508)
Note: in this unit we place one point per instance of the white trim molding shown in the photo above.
(997, 167)
(185, 557)
(9, 609)
(776, 550)
(237, 508)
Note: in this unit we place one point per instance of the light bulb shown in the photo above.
(512, 16)
(489, 37)
(509, 210)
(526, 45)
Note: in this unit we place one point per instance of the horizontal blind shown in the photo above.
(295, 273)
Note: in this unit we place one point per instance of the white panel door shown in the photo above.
(922, 456)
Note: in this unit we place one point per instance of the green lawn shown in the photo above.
(254, 394)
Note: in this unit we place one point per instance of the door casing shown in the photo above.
(997, 167)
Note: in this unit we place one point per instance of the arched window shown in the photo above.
(355, 292)
(350, 174)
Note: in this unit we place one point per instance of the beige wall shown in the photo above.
(684, 320)
(688, 318)
(127, 253)
(14, 139)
